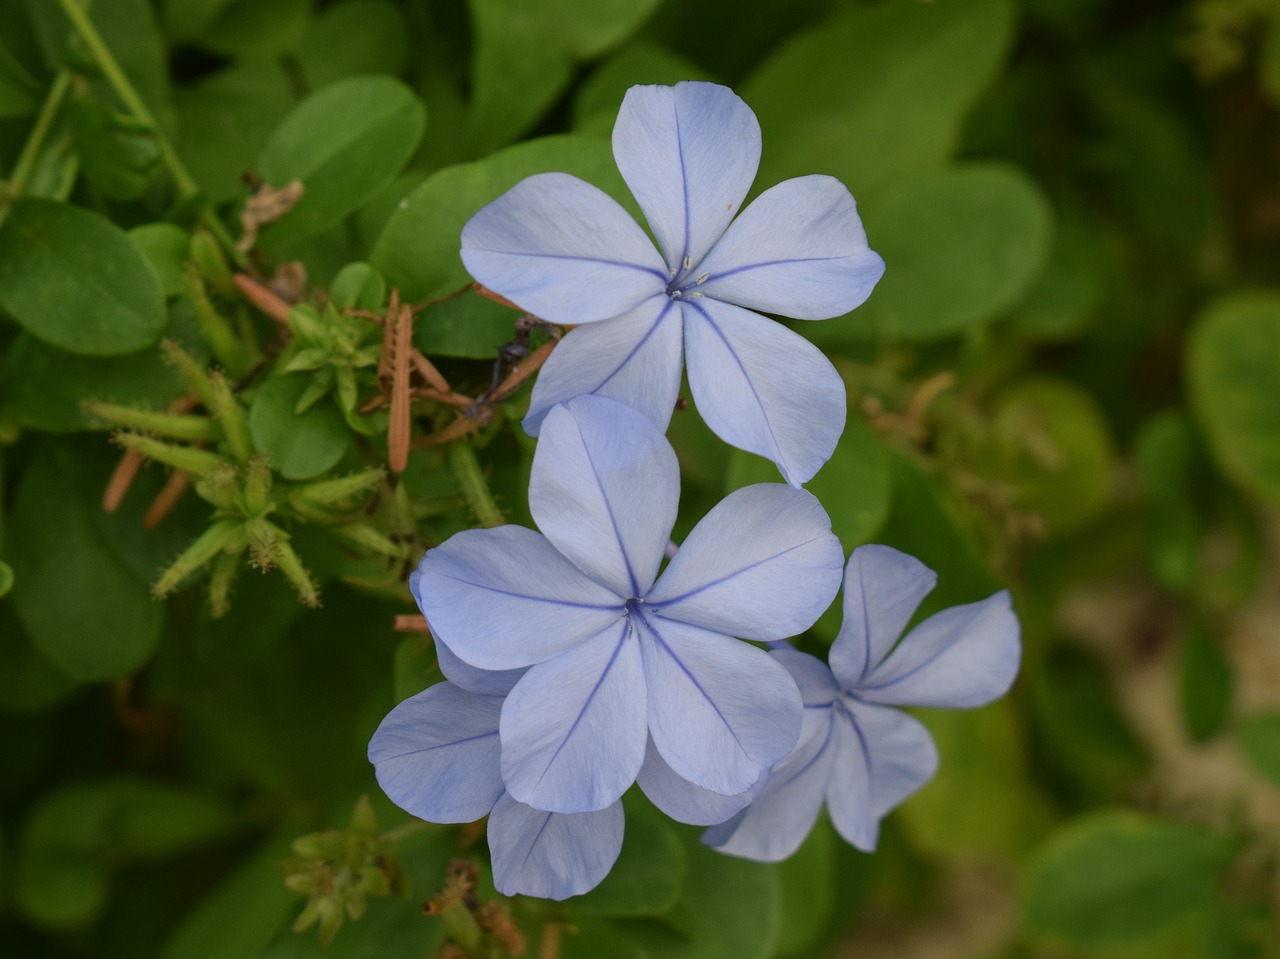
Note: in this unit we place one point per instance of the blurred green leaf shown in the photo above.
(1174, 479)
(1067, 295)
(1259, 737)
(352, 38)
(1269, 57)
(76, 836)
(524, 57)
(1084, 730)
(187, 19)
(241, 915)
(6, 579)
(876, 92)
(1052, 445)
(650, 871)
(343, 143)
(224, 122)
(807, 884)
(20, 92)
(728, 910)
(1116, 875)
(358, 286)
(1235, 392)
(167, 248)
(418, 249)
(300, 445)
(1205, 682)
(73, 279)
(469, 326)
(118, 154)
(260, 30)
(28, 681)
(595, 107)
(962, 245)
(85, 610)
(978, 801)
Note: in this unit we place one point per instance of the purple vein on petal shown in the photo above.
(750, 385)
(670, 305)
(626, 627)
(536, 599)
(613, 519)
(737, 572)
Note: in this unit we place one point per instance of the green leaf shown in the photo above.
(118, 154)
(20, 92)
(962, 246)
(1084, 730)
(1269, 57)
(241, 915)
(876, 92)
(1067, 295)
(6, 579)
(1174, 478)
(42, 387)
(343, 143)
(1117, 875)
(187, 19)
(418, 249)
(300, 446)
(28, 682)
(1259, 737)
(596, 105)
(1235, 392)
(469, 326)
(226, 121)
(84, 608)
(648, 876)
(1205, 682)
(1052, 446)
(728, 910)
(75, 280)
(854, 487)
(352, 38)
(524, 57)
(808, 886)
(77, 835)
(257, 29)
(358, 286)
(167, 248)
(979, 800)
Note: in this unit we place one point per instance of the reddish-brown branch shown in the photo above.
(166, 499)
(265, 299)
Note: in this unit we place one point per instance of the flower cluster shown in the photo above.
(576, 664)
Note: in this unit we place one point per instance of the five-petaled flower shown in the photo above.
(562, 249)
(855, 752)
(620, 662)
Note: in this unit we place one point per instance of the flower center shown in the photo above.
(682, 285)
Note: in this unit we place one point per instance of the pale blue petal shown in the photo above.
(552, 855)
(798, 250)
(762, 387)
(777, 822)
(721, 711)
(689, 154)
(636, 359)
(573, 729)
(505, 598)
(684, 801)
(436, 754)
(959, 658)
(813, 677)
(882, 757)
(882, 588)
(486, 682)
(604, 490)
(763, 565)
(562, 249)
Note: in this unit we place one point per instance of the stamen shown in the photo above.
(702, 279)
(688, 263)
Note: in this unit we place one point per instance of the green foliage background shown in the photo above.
(1068, 383)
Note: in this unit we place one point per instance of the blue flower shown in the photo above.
(436, 756)
(617, 658)
(562, 249)
(856, 753)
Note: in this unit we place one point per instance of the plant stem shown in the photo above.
(124, 89)
(466, 469)
(31, 149)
